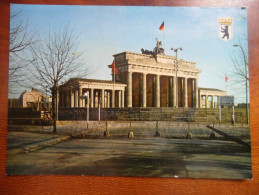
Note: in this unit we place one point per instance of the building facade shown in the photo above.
(92, 93)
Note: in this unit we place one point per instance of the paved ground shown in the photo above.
(21, 139)
(154, 157)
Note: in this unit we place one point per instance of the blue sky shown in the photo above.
(107, 30)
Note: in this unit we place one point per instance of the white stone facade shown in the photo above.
(91, 93)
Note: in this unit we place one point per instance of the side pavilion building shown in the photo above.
(78, 92)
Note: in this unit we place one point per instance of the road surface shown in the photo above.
(148, 157)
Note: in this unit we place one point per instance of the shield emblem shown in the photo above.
(226, 28)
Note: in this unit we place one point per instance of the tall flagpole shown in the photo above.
(226, 80)
(113, 84)
(227, 87)
(164, 37)
(162, 28)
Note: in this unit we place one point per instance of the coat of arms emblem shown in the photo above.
(226, 28)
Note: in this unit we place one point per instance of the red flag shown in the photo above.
(226, 78)
(113, 68)
(162, 27)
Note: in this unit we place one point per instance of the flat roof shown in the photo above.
(92, 81)
(210, 89)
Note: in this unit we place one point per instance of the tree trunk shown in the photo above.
(54, 108)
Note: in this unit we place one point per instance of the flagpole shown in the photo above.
(227, 87)
(164, 40)
(226, 80)
(162, 27)
(114, 84)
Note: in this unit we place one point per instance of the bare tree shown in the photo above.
(55, 59)
(20, 41)
(240, 72)
(240, 66)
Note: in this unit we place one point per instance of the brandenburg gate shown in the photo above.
(151, 80)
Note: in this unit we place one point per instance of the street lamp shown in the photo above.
(246, 77)
(176, 70)
(87, 106)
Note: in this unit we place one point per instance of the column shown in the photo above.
(175, 93)
(92, 97)
(119, 99)
(212, 101)
(129, 90)
(170, 92)
(102, 99)
(196, 94)
(185, 93)
(76, 98)
(96, 99)
(108, 99)
(113, 98)
(79, 99)
(157, 91)
(122, 98)
(144, 87)
(217, 101)
(72, 95)
(206, 101)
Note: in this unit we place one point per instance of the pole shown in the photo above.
(99, 111)
(113, 92)
(87, 109)
(233, 114)
(219, 103)
(176, 70)
(164, 40)
(246, 65)
(57, 102)
(246, 77)
(226, 87)
(220, 113)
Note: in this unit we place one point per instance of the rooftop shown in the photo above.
(72, 80)
(210, 89)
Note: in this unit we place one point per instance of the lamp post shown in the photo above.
(246, 77)
(87, 106)
(176, 70)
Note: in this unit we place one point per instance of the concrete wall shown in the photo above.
(146, 128)
(155, 114)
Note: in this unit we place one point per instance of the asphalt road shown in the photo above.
(149, 157)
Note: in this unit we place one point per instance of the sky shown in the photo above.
(108, 30)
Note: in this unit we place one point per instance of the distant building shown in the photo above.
(34, 99)
(209, 98)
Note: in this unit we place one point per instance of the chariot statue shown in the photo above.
(157, 50)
